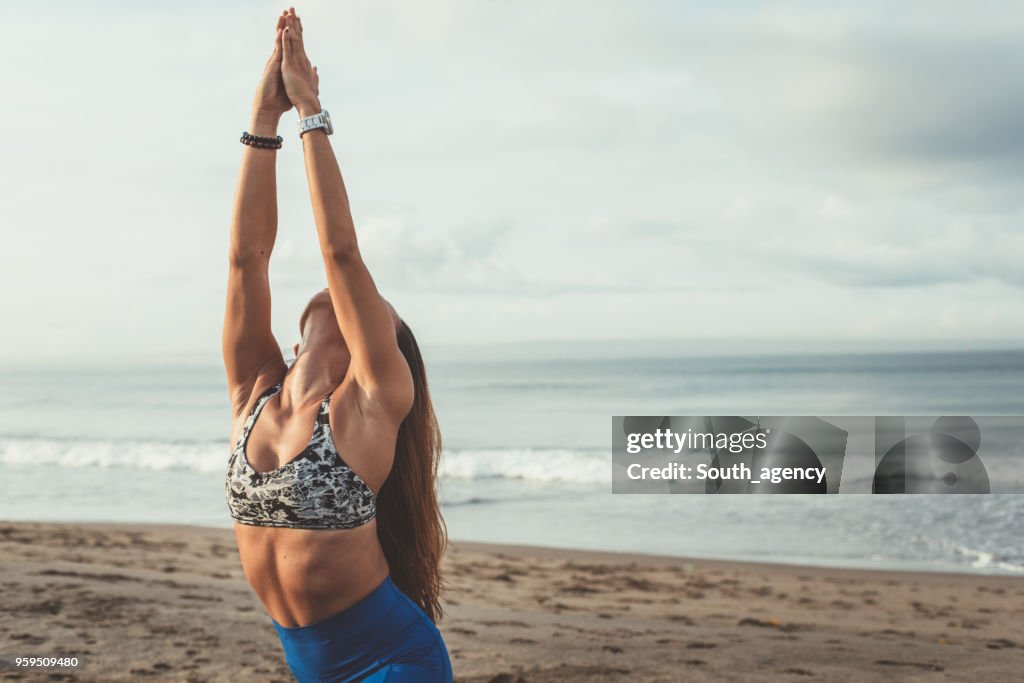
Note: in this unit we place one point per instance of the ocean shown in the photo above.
(527, 450)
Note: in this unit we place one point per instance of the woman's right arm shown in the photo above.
(247, 341)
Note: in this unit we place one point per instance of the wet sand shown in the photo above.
(154, 602)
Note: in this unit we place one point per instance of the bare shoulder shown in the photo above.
(374, 400)
(391, 393)
(364, 431)
(361, 408)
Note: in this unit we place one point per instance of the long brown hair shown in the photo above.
(409, 523)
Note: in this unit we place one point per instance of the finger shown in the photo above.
(289, 28)
(294, 37)
(301, 44)
(300, 51)
(287, 45)
(295, 23)
(275, 54)
(296, 19)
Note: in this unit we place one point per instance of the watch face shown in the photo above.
(327, 122)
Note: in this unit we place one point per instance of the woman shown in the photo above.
(342, 542)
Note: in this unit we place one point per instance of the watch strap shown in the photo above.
(318, 120)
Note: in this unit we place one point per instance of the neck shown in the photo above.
(311, 378)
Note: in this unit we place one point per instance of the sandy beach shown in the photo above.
(142, 602)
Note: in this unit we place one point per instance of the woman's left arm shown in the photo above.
(367, 321)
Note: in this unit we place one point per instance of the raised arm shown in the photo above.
(366, 320)
(247, 341)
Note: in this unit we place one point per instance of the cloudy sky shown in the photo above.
(527, 171)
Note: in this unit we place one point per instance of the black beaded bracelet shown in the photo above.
(261, 142)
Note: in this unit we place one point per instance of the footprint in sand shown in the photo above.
(1000, 644)
(680, 618)
(505, 622)
(45, 607)
(798, 672)
(506, 678)
(202, 598)
(917, 665)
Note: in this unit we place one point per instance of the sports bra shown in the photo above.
(314, 490)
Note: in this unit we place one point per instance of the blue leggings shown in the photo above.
(385, 637)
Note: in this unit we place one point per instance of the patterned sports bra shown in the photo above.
(313, 490)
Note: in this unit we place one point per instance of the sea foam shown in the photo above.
(542, 465)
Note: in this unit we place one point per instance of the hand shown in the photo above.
(271, 99)
(301, 81)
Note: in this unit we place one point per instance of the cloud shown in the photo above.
(526, 170)
(906, 100)
(404, 253)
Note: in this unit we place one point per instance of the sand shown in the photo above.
(147, 602)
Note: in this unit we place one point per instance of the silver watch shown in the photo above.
(321, 120)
